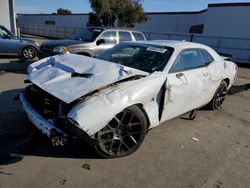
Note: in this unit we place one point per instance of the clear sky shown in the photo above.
(82, 6)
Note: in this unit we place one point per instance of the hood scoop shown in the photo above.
(81, 75)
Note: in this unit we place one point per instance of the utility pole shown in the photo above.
(12, 16)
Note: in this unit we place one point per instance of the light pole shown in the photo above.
(12, 16)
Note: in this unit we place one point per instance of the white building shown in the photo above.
(225, 19)
(7, 15)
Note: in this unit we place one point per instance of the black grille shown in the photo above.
(44, 103)
(46, 48)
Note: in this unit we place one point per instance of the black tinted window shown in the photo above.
(87, 34)
(138, 36)
(206, 57)
(144, 57)
(124, 36)
(109, 37)
(188, 59)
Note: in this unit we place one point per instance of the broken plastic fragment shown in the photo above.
(195, 139)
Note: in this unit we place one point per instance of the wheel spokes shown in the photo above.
(122, 134)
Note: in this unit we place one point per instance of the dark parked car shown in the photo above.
(90, 41)
(10, 45)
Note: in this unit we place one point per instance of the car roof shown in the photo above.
(115, 28)
(172, 43)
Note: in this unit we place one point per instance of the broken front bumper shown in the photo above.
(47, 127)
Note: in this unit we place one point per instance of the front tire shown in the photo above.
(219, 97)
(123, 135)
(29, 52)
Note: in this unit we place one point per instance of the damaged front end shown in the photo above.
(49, 115)
(64, 98)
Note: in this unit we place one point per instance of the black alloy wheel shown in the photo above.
(123, 135)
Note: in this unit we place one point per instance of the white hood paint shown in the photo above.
(54, 75)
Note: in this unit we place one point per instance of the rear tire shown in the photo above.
(123, 135)
(219, 97)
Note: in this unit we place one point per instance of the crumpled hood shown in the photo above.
(71, 76)
(61, 42)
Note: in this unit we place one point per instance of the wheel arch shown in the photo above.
(227, 80)
(25, 46)
(140, 105)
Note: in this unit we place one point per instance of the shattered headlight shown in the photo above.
(60, 50)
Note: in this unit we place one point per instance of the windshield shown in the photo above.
(145, 57)
(88, 34)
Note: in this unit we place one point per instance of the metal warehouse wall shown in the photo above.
(5, 14)
(171, 22)
(226, 20)
(74, 20)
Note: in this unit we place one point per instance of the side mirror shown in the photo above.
(100, 41)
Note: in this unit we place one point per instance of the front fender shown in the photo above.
(97, 111)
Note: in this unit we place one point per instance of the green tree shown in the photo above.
(126, 12)
(93, 20)
(62, 11)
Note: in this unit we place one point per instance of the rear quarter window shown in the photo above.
(124, 36)
(206, 57)
(138, 36)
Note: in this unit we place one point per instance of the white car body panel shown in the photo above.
(194, 89)
(186, 93)
(117, 98)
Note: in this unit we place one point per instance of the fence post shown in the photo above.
(218, 47)
(191, 37)
(149, 35)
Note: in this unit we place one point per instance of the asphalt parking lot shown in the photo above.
(168, 156)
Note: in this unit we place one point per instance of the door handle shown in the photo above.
(179, 75)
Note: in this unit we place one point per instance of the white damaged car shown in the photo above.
(112, 101)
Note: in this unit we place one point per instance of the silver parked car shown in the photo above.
(10, 45)
(90, 41)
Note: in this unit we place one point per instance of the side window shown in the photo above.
(138, 36)
(206, 57)
(109, 37)
(124, 36)
(3, 33)
(188, 59)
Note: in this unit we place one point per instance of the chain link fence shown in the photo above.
(238, 48)
(50, 31)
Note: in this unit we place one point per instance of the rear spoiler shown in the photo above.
(227, 57)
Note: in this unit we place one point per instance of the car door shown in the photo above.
(187, 84)
(108, 38)
(9, 45)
